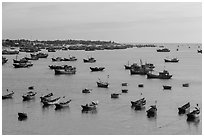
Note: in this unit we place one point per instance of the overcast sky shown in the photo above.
(120, 22)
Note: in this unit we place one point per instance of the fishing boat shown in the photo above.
(97, 68)
(152, 111)
(22, 65)
(89, 60)
(71, 58)
(166, 87)
(124, 84)
(128, 66)
(31, 87)
(86, 90)
(124, 90)
(193, 114)
(140, 85)
(91, 106)
(162, 75)
(22, 116)
(115, 95)
(139, 104)
(66, 70)
(163, 50)
(174, 60)
(32, 58)
(40, 55)
(46, 97)
(4, 60)
(23, 60)
(57, 59)
(199, 51)
(185, 85)
(58, 66)
(47, 102)
(9, 52)
(141, 69)
(8, 95)
(184, 109)
(29, 95)
(102, 84)
(62, 104)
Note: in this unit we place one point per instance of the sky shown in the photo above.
(120, 22)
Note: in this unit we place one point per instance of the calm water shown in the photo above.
(113, 116)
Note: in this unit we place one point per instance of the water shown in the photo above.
(113, 116)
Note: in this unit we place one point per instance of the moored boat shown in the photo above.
(71, 58)
(22, 116)
(4, 60)
(174, 60)
(29, 95)
(193, 114)
(124, 90)
(57, 59)
(152, 111)
(185, 85)
(9, 52)
(46, 97)
(62, 104)
(22, 65)
(89, 60)
(47, 102)
(199, 51)
(66, 70)
(23, 60)
(97, 68)
(86, 90)
(102, 84)
(91, 106)
(139, 104)
(162, 75)
(115, 95)
(166, 87)
(8, 95)
(184, 109)
(163, 50)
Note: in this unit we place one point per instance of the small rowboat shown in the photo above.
(139, 104)
(7, 96)
(193, 115)
(86, 90)
(22, 116)
(102, 84)
(29, 95)
(184, 109)
(46, 97)
(166, 87)
(141, 85)
(115, 95)
(185, 85)
(62, 104)
(124, 90)
(48, 102)
(97, 68)
(152, 111)
(92, 106)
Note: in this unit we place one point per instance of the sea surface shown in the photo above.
(113, 116)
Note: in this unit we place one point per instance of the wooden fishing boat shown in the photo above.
(40, 55)
(70, 70)
(184, 109)
(4, 60)
(193, 114)
(162, 75)
(57, 59)
(71, 58)
(124, 84)
(22, 116)
(89, 60)
(91, 106)
(48, 102)
(23, 60)
(124, 90)
(29, 95)
(9, 52)
(62, 104)
(174, 60)
(22, 65)
(46, 97)
(115, 95)
(141, 85)
(163, 50)
(139, 104)
(199, 51)
(166, 87)
(185, 85)
(152, 111)
(8, 95)
(102, 84)
(86, 90)
(97, 68)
